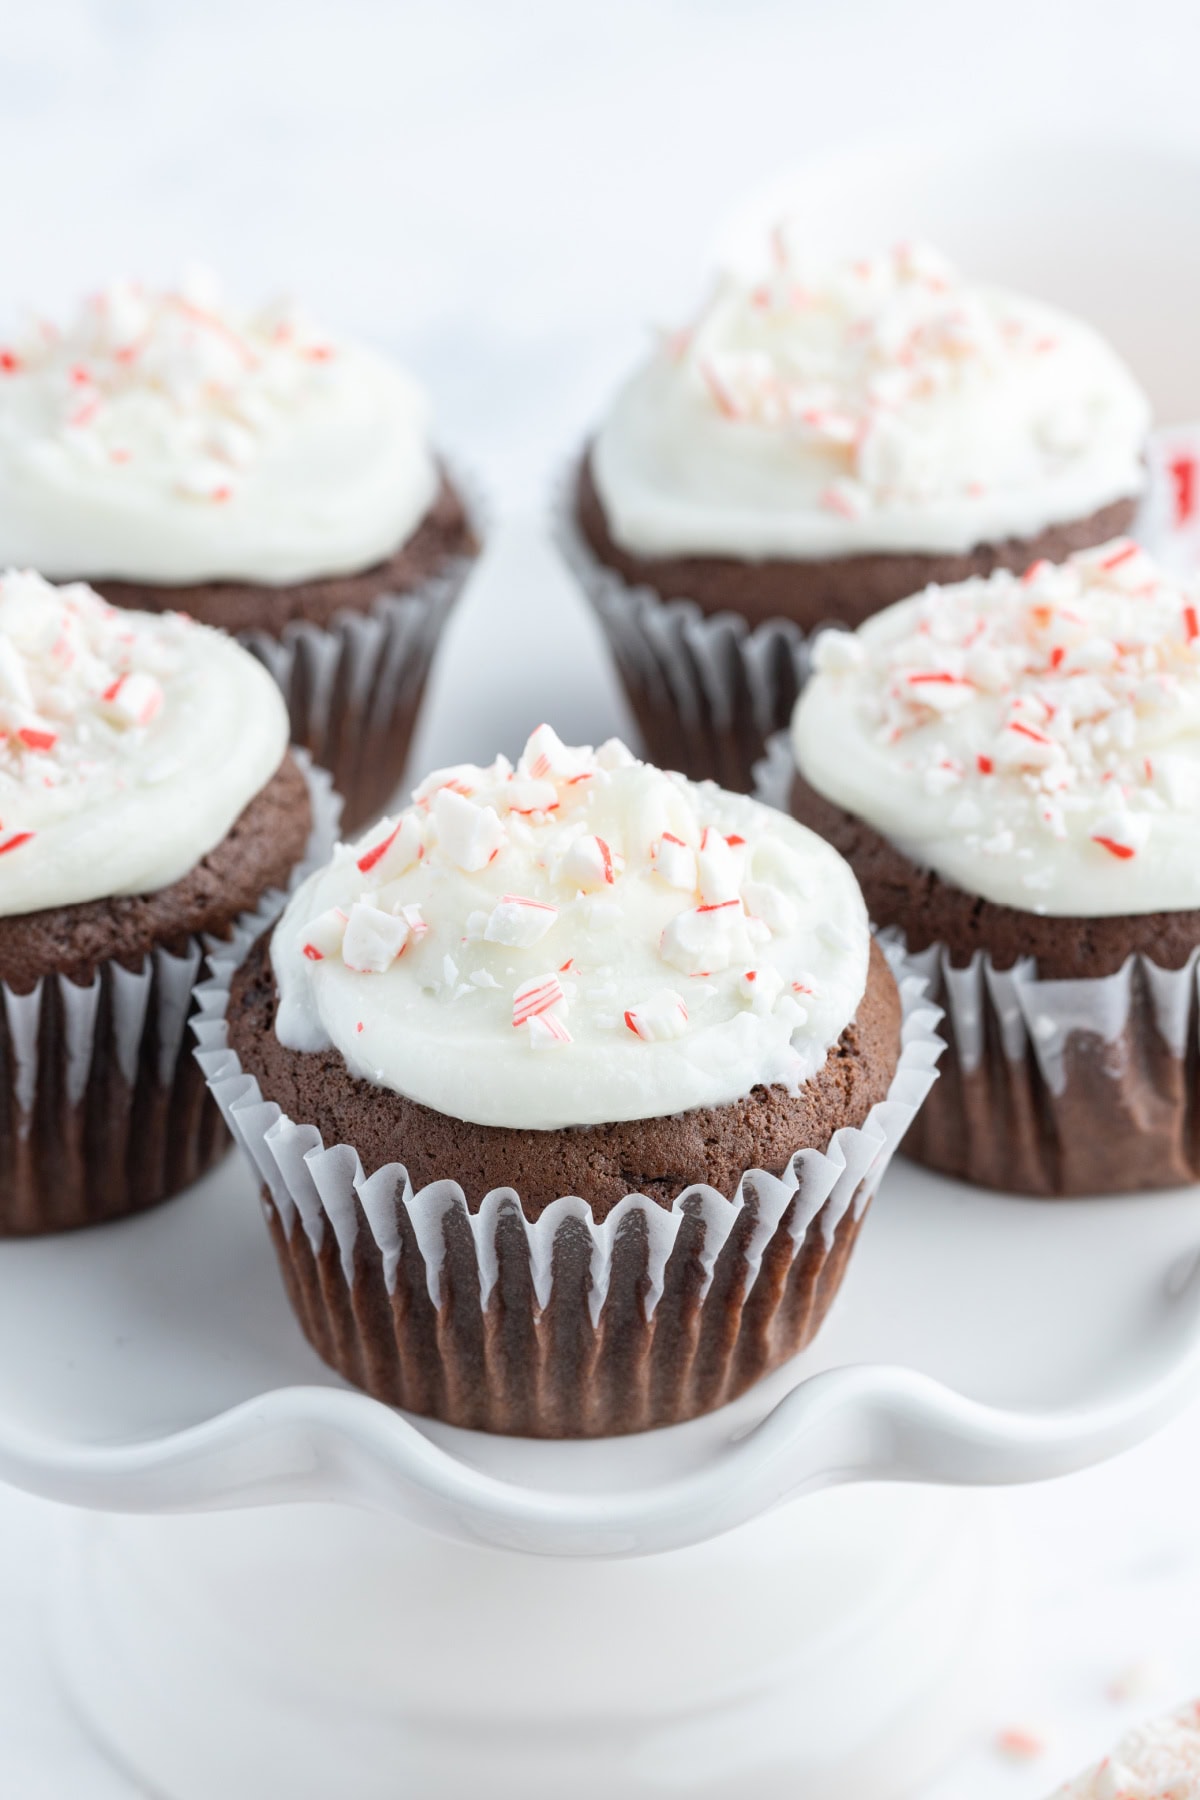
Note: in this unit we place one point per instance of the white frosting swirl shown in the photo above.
(879, 405)
(129, 744)
(1157, 1761)
(580, 940)
(1035, 739)
(161, 437)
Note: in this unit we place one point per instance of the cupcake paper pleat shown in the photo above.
(1046, 1082)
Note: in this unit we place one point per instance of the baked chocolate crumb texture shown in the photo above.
(582, 1076)
(823, 440)
(1012, 767)
(147, 799)
(253, 470)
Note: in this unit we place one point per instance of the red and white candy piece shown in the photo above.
(770, 904)
(675, 863)
(459, 776)
(539, 995)
(706, 938)
(546, 1030)
(589, 864)
(392, 849)
(1122, 834)
(414, 918)
(761, 987)
(942, 690)
(849, 499)
(467, 835)
(719, 868)
(546, 757)
(1022, 745)
(322, 937)
(132, 699)
(373, 939)
(519, 921)
(531, 797)
(1121, 563)
(37, 738)
(660, 1018)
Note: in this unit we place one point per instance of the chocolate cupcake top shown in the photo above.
(159, 436)
(1034, 740)
(580, 940)
(880, 405)
(129, 744)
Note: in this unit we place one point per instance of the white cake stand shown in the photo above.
(679, 1614)
(642, 1616)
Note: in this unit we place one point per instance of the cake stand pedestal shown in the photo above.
(835, 1650)
(678, 1613)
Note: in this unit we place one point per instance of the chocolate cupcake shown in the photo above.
(149, 803)
(257, 474)
(823, 441)
(579, 1080)
(1011, 767)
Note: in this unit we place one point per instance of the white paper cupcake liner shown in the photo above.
(103, 1111)
(557, 1325)
(1063, 1088)
(707, 689)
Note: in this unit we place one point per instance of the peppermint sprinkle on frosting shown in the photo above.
(171, 375)
(161, 434)
(881, 402)
(653, 944)
(129, 743)
(1035, 739)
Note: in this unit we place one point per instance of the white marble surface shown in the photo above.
(508, 194)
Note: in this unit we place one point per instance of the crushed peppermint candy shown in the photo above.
(175, 368)
(569, 893)
(859, 360)
(81, 683)
(1046, 719)
(662, 1017)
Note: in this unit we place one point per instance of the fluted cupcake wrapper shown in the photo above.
(707, 689)
(560, 1325)
(354, 687)
(1052, 1088)
(1062, 1088)
(102, 1109)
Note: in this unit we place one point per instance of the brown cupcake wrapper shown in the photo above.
(707, 689)
(354, 688)
(559, 1326)
(1052, 1088)
(102, 1109)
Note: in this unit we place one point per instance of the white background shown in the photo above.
(508, 195)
